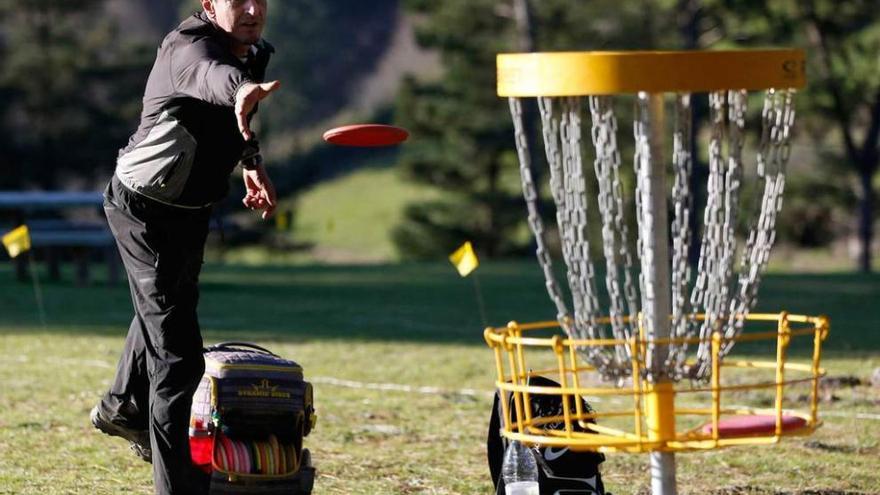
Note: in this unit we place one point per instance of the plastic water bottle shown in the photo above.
(520, 471)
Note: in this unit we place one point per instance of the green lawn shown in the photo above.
(350, 219)
(411, 324)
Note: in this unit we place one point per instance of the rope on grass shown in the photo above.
(839, 414)
(95, 363)
(397, 387)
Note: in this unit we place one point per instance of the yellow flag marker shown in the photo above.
(17, 241)
(464, 259)
(282, 221)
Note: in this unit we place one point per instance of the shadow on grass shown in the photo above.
(408, 302)
(424, 302)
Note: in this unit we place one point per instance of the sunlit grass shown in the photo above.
(415, 325)
(351, 218)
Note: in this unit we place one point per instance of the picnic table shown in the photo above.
(55, 237)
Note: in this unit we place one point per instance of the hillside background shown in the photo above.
(71, 75)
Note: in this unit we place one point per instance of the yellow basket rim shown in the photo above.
(618, 72)
(506, 336)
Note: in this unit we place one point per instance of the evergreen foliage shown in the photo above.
(71, 78)
(323, 49)
(841, 104)
(453, 118)
(70, 86)
(463, 136)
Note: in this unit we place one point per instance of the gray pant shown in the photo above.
(162, 249)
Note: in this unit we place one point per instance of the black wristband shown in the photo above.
(252, 162)
(250, 156)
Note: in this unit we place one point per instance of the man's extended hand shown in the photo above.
(246, 98)
(260, 191)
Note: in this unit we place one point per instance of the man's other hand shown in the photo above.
(246, 99)
(260, 191)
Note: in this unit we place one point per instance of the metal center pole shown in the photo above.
(660, 400)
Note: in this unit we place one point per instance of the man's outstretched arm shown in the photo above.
(246, 98)
(260, 193)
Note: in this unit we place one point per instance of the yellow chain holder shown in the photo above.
(609, 73)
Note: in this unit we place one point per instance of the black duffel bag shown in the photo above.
(560, 470)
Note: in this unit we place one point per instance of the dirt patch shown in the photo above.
(843, 449)
(831, 384)
(751, 490)
(835, 382)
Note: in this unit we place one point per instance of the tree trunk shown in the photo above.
(690, 14)
(525, 29)
(866, 219)
(492, 235)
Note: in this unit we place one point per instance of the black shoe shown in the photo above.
(140, 440)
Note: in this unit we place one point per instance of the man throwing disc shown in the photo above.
(195, 128)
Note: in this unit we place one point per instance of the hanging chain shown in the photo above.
(573, 230)
(722, 237)
(712, 292)
(550, 127)
(571, 219)
(736, 104)
(682, 204)
(530, 194)
(708, 288)
(615, 233)
(737, 107)
(576, 196)
(777, 121)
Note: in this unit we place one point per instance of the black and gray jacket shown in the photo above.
(188, 141)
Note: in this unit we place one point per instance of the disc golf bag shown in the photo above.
(249, 416)
(560, 470)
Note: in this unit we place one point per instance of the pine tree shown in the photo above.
(841, 104)
(462, 137)
(66, 79)
(462, 132)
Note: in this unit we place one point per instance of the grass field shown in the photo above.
(414, 325)
(350, 219)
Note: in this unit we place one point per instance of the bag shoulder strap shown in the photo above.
(234, 346)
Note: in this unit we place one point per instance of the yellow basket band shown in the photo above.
(606, 73)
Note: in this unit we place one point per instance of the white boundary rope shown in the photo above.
(397, 387)
(839, 414)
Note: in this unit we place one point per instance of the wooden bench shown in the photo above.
(58, 239)
(80, 240)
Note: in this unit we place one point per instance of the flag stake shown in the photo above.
(38, 293)
(480, 302)
(18, 241)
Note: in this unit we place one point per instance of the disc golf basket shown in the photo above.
(658, 361)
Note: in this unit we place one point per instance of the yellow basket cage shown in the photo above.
(646, 417)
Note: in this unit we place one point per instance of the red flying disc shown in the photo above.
(370, 135)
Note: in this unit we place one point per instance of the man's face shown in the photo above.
(242, 19)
